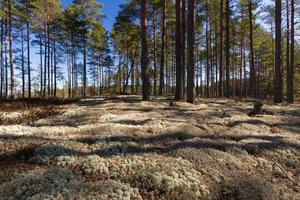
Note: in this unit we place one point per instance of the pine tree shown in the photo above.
(178, 91)
(227, 49)
(191, 56)
(278, 97)
(163, 48)
(146, 88)
(253, 87)
(291, 66)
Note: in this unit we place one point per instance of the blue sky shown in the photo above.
(110, 9)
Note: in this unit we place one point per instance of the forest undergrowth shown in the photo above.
(124, 148)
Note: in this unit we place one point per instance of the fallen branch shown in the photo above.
(284, 172)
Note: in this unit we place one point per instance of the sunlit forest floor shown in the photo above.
(124, 148)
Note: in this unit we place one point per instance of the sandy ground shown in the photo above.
(124, 148)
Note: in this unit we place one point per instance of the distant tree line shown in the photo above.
(73, 36)
(217, 48)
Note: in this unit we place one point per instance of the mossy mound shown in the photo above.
(62, 184)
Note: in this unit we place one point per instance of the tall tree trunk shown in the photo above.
(154, 53)
(197, 67)
(55, 68)
(183, 47)
(51, 69)
(102, 86)
(45, 63)
(69, 74)
(84, 66)
(272, 73)
(172, 71)
(227, 52)
(137, 80)
(278, 97)
(287, 42)
(6, 59)
(48, 59)
(28, 53)
(252, 65)
(125, 71)
(242, 47)
(2, 63)
(167, 65)
(201, 78)
(132, 73)
(241, 66)
(127, 75)
(211, 58)
(163, 41)
(12, 80)
(41, 64)
(216, 55)
(99, 89)
(290, 72)
(74, 72)
(233, 63)
(120, 74)
(22, 64)
(191, 46)
(245, 73)
(178, 92)
(94, 75)
(146, 88)
(207, 51)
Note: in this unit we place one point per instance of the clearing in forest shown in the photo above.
(125, 148)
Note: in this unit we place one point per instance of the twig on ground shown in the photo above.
(284, 172)
(287, 176)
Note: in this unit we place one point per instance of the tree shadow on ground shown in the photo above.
(8, 137)
(169, 142)
(19, 155)
(161, 144)
(160, 138)
(250, 121)
(289, 124)
(69, 121)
